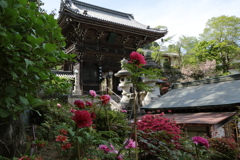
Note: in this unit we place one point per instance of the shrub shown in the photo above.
(117, 121)
(158, 135)
(226, 148)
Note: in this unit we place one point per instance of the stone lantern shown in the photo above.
(154, 94)
(125, 85)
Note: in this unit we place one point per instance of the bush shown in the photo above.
(226, 148)
(117, 121)
(158, 135)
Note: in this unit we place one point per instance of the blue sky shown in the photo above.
(181, 17)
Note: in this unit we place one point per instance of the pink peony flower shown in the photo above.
(82, 118)
(201, 141)
(169, 111)
(106, 149)
(92, 93)
(124, 111)
(137, 58)
(131, 144)
(59, 105)
(105, 99)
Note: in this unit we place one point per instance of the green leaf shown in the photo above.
(23, 2)
(18, 38)
(4, 113)
(37, 101)
(39, 40)
(10, 91)
(49, 47)
(79, 139)
(23, 70)
(24, 100)
(32, 6)
(28, 62)
(34, 69)
(31, 39)
(3, 4)
(43, 76)
(52, 59)
(13, 74)
(2, 33)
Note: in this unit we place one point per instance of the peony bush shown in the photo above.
(225, 148)
(158, 136)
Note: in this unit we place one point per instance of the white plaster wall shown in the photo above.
(234, 71)
(219, 132)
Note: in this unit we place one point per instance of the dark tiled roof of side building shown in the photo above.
(217, 91)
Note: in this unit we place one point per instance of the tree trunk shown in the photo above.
(12, 138)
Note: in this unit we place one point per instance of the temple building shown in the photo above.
(100, 38)
(207, 107)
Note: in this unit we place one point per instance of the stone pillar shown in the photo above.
(76, 90)
(124, 78)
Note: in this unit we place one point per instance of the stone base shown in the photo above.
(73, 98)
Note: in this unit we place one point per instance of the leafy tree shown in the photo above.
(222, 28)
(184, 48)
(220, 41)
(31, 44)
(223, 52)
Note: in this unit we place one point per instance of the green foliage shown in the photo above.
(117, 120)
(138, 72)
(220, 41)
(31, 44)
(223, 52)
(222, 28)
(50, 117)
(153, 145)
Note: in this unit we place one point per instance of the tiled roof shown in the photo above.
(217, 91)
(104, 14)
(64, 74)
(204, 118)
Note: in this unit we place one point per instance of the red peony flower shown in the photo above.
(24, 158)
(63, 131)
(82, 118)
(41, 144)
(105, 99)
(73, 110)
(61, 138)
(93, 115)
(137, 58)
(79, 104)
(88, 103)
(66, 146)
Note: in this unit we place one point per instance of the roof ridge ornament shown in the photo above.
(71, 5)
